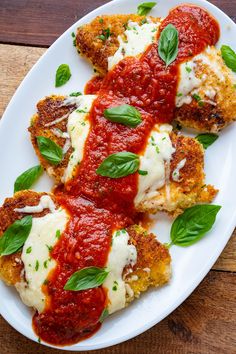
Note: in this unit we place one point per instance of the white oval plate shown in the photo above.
(189, 265)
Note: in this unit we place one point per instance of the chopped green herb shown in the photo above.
(58, 234)
(144, 21)
(75, 94)
(142, 173)
(45, 264)
(106, 33)
(179, 94)
(198, 99)
(188, 69)
(73, 34)
(37, 265)
(81, 111)
(49, 248)
(114, 288)
(39, 340)
(157, 150)
(29, 249)
(101, 20)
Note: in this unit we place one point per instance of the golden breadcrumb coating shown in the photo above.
(49, 110)
(211, 114)
(215, 114)
(190, 189)
(153, 267)
(153, 259)
(96, 50)
(11, 266)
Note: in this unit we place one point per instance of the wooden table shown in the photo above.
(206, 322)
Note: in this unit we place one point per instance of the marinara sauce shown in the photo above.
(99, 205)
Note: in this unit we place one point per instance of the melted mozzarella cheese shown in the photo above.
(158, 152)
(78, 127)
(121, 254)
(189, 83)
(36, 257)
(135, 41)
(45, 202)
(175, 173)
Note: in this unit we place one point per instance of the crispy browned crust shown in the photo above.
(11, 266)
(153, 259)
(96, 50)
(48, 110)
(191, 188)
(211, 117)
(153, 262)
(207, 118)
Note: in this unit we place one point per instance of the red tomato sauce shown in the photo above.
(99, 205)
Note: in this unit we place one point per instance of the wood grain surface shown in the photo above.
(206, 322)
(40, 22)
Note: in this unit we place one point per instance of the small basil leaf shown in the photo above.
(63, 74)
(193, 224)
(86, 278)
(124, 114)
(207, 139)
(119, 165)
(49, 150)
(104, 315)
(229, 57)
(15, 236)
(145, 8)
(168, 44)
(27, 178)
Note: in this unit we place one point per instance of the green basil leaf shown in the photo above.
(27, 178)
(145, 8)
(229, 57)
(119, 165)
(63, 74)
(104, 315)
(49, 150)
(86, 278)
(168, 44)
(207, 139)
(193, 224)
(124, 114)
(15, 236)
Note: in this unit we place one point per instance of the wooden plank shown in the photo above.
(227, 260)
(204, 324)
(39, 23)
(15, 62)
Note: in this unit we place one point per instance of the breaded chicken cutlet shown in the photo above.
(152, 266)
(206, 94)
(98, 40)
(181, 191)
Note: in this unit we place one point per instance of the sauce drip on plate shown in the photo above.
(99, 205)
